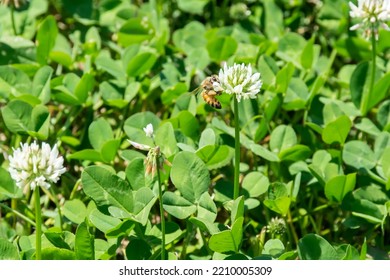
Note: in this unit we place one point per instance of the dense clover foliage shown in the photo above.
(91, 75)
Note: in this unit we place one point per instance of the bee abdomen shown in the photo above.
(211, 100)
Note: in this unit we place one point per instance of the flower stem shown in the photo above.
(161, 215)
(57, 203)
(290, 223)
(237, 151)
(366, 97)
(13, 19)
(376, 178)
(20, 215)
(53, 197)
(373, 71)
(75, 188)
(38, 221)
(187, 240)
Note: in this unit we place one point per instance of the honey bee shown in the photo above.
(210, 90)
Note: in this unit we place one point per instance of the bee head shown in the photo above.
(214, 78)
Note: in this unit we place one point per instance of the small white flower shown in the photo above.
(372, 13)
(31, 166)
(239, 80)
(149, 130)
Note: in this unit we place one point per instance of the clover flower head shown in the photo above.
(372, 13)
(151, 161)
(149, 130)
(276, 226)
(240, 81)
(154, 159)
(239, 11)
(31, 166)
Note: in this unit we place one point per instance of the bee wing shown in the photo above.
(197, 90)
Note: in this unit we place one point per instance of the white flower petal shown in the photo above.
(149, 130)
(139, 146)
(217, 86)
(355, 27)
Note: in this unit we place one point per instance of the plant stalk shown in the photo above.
(57, 203)
(290, 223)
(373, 71)
(38, 221)
(237, 149)
(20, 215)
(161, 213)
(13, 20)
(366, 97)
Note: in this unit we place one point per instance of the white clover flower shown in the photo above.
(239, 80)
(372, 13)
(149, 130)
(31, 166)
(153, 159)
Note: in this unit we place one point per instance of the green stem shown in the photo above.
(14, 207)
(320, 208)
(373, 71)
(38, 220)
(73, 114)
(290, 223)
(57, 203)
(261, 239)
(49, 194)
(13, 20)
(237, 151)
(122, 122)
(161, 214)
(214, 12)
(205, 242)
(366, 97)
(75, 188)
(252, 120)
(20, 215)
(187, 241)
(313, 223)
(376, 178)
